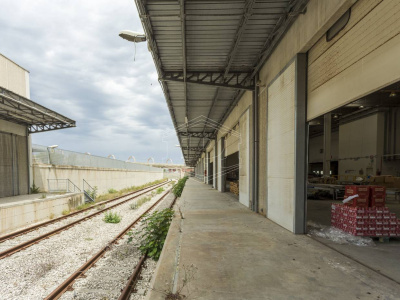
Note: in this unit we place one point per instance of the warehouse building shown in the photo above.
(19, 118)
(279, 99)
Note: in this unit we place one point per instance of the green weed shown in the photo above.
(111, 217)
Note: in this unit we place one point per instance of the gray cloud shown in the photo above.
(81, 68)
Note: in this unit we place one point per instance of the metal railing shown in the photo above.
(89, 192)
(62, 186)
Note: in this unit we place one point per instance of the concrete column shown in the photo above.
(327, 144)
(221, 160)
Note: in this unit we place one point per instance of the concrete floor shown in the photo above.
(242, 255)
(23, 199)
(383, 258)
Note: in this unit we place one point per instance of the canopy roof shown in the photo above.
(207, 53)
(37, 118)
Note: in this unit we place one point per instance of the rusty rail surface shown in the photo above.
(34, 227)
(33, 241)
(67, 284)
(126, 292)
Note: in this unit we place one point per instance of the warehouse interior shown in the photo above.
(363, 138)
(364, 143)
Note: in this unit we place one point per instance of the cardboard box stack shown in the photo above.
(365, 215)
(234, 187)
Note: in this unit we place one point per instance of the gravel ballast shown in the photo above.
(36, 271)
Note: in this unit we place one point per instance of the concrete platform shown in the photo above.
(24, 210)
(242, 255)
(383, 258)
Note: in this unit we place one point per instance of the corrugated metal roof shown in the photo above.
(207, 53)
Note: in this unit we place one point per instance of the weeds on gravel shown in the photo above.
(112, 191)
(51, 217)
(151, 235)
(100, 207)
(139, 202)
(160, 190)
(178, 188)
(127, 190)
(111, 217)
(44, 196)
(43, 268)
(66, 212)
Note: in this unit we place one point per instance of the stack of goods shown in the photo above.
(365, 215)
(234, 187)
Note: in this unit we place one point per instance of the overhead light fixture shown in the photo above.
(393, 94)
(335, 116)
(132, 36)
(361, 106)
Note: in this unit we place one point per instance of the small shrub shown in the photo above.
(139, 202)
(112, 191)
(66, 212)
(51, 216)
(160, 190)
(93, 193)
(154, 229)
(178, 188)
(35, 189)
(44, 196)
(111, 217)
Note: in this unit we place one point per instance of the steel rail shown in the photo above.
(127, 291)
(67, 284)
(36, 240)
(34, 227)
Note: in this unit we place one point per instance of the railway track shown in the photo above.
(31, 242)
(35, 227)
(80, 272)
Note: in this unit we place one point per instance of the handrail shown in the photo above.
(62, 185)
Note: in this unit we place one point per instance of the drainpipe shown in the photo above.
(256, 144)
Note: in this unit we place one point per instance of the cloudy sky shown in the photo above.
(81, 68)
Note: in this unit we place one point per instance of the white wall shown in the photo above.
(358, 140)
(317, 143)
(281, 149)
(13, 77)
(104, 179)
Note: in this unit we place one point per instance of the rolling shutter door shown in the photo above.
(361, 59)
(6, 165)
(281, 148)
(212, 153)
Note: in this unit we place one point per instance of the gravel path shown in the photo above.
(43, 230)
(35, 272)
(110, 275)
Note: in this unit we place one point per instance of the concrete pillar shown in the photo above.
(327, 144)
(221, 165)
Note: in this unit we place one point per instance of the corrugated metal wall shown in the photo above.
(361, 59)
(281, 148)
(13, 165)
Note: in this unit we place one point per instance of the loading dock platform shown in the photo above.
(242, 255)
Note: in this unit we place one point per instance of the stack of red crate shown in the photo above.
(365, 221)
(365, 215)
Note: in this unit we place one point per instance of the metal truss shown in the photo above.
(234, 80)
(196, 149)
(209, 135)
(18, 109)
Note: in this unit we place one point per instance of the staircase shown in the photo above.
(89, 192)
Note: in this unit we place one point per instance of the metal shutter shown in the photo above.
(6, 165)
(361, 59)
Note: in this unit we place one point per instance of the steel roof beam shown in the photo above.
(209, 135)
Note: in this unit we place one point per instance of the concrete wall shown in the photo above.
(22, 213)
(13, 77)
(360, 148)
(317, 143)
(302, 35)
(104, 179)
